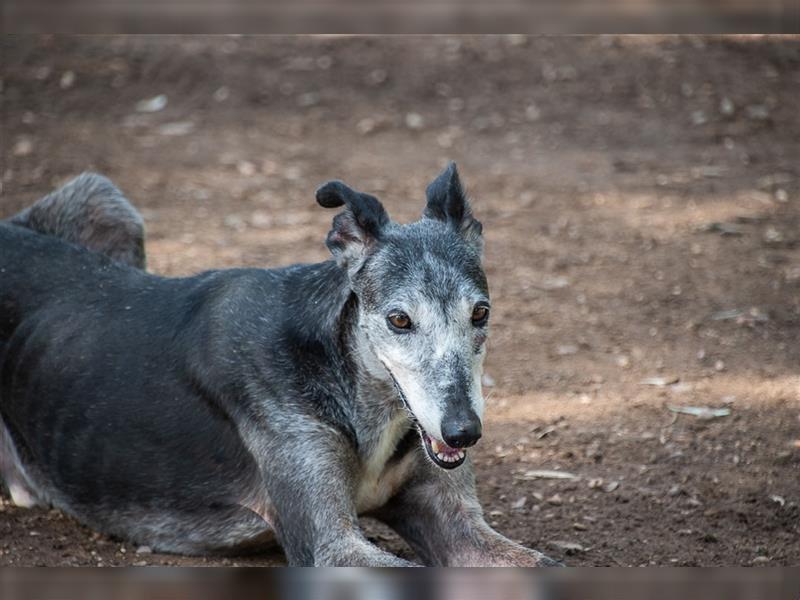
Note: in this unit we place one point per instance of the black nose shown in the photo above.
(462, 432)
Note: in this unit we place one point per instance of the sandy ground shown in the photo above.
(641, 202)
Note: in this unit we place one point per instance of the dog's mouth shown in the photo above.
(441, 454)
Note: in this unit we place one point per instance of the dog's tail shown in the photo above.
(90, 211)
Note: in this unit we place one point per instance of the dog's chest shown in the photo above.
(380, 477)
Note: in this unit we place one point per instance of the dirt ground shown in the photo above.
(641, 202)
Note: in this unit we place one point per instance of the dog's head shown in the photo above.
(423, 305)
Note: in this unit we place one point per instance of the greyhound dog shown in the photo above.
(235, 408)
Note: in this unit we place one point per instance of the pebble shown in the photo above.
(566, 350)
(699, 118)
(726, 107)
(246, 168)
(308, 99)
(414, 121)
(154, 104)
(758, 112)
(67, 80)
(23, 147)
(221, 94)
(377, 77)
(178, 128)
(366, 126)
(533, 113)
(144, 550)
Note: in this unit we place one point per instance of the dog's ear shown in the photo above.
(357, 230)
(447, 202)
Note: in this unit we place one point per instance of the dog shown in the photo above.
(223, 412)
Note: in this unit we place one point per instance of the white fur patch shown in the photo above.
(378, 483)
(23, 492)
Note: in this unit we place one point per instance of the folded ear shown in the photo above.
(447, 202)
(357, 229)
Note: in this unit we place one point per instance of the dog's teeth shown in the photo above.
(435, 446)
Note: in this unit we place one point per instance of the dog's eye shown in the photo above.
(480, 314)
(399, 320)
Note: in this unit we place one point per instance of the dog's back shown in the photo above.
(88, 422)
(90, 211)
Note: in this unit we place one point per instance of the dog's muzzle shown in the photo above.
(460, 434)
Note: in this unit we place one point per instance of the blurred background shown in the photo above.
(641, 203)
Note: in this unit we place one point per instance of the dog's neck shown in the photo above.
(376, 406)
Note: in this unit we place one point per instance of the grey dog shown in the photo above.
(235, 408)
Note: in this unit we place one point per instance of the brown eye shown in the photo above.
(399, 320)
(480, 314)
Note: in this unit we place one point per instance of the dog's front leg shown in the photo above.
(310, 474)
(439, 515)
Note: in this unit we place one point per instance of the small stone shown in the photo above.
(154, 104)
(518, 504)
(659, 381)
(221, 94)
(23, 147)
(144, 550)
(517, 39)
(533, 113)
(758, 112)
(414, 121)
(261, 219)
(779, 500)
(555, 500)
(773, 236)
(246, 168)
(178, 128)
(781, 196)
(377, 77)
(456, 104)
(366, 126)
(760, 560)
(726, 107)
(308, 99)
(594, 451)
(719, 366)
(699, 118)
(67, 80)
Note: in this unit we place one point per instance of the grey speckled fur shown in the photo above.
(235, 408)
